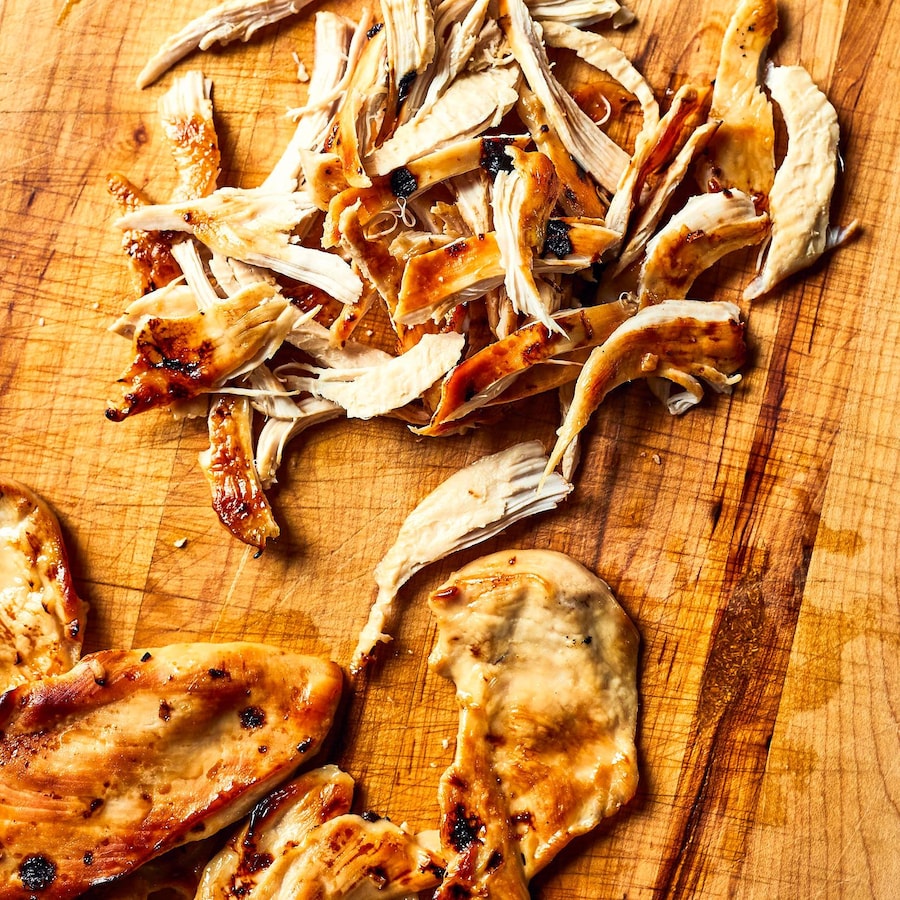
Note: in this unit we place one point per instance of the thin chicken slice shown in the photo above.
(42, 617)
(708, 227)
(186, 115)
(594, 151)
(134, 752)
(180, 358)
(237, 492)
(680, 340)
(800, 198)
(545, 665)
(485, 375)
(471, 506)
(581, 13)
(742, 154)
(230, 21)
(409, 28)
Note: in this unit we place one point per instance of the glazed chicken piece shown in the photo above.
(679, 340)
(800, 198)
(230, 21)
(149, 252)
(742, 154)
(132, 753)
(409, 28)
(471, 506)
(485, 375)
(180, 358)
(301, 843)
(545, 666)
(237, 492)
(41, 615)
(709, 227)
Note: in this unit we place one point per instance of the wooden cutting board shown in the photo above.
(753, 541)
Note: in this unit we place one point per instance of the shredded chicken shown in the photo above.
(545, 666)
(580, 13)
(230, 21)
(472, 505)
(41, 615)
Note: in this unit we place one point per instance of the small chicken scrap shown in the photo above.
(303, 843)
(132, 753)
(545, 665)
(41, 615)
(443, 186)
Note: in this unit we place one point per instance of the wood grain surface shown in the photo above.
(753, 541)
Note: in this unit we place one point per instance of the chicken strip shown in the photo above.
(545, 665)
(132, 753)
(41, 615)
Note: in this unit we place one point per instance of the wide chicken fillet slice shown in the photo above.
(545, 665)
(134, 752)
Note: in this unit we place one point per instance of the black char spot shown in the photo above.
(252, 717)
(37, 872)
(403, 183)
(494, 157)
(557, 240)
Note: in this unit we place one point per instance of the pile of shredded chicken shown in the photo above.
(443, 180)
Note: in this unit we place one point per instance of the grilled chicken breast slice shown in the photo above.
(545, 665)
(41, 615)
(134, 752)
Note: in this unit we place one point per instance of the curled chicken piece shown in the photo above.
(42, 617)
(237, 493)
(471, 506)
(370, 392)
(706, 229)
(655, 148)
(485, 375)
(301, 843)
(474, 102)
(227, 22)
(801, 195)
(175, 300)
(186, 114)
(179, 358)
(255, 227)
(742, 154)
(545, 665)
(149, 252)
(580, 13)
(134, 752)
(523, 199)
(679, 340)
(602, 54)
(468, 268)
(594, 151)
(332, 50)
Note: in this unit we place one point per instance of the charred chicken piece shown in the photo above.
(41, 615)
(132, 753)
(545, 666)
(237, 493)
